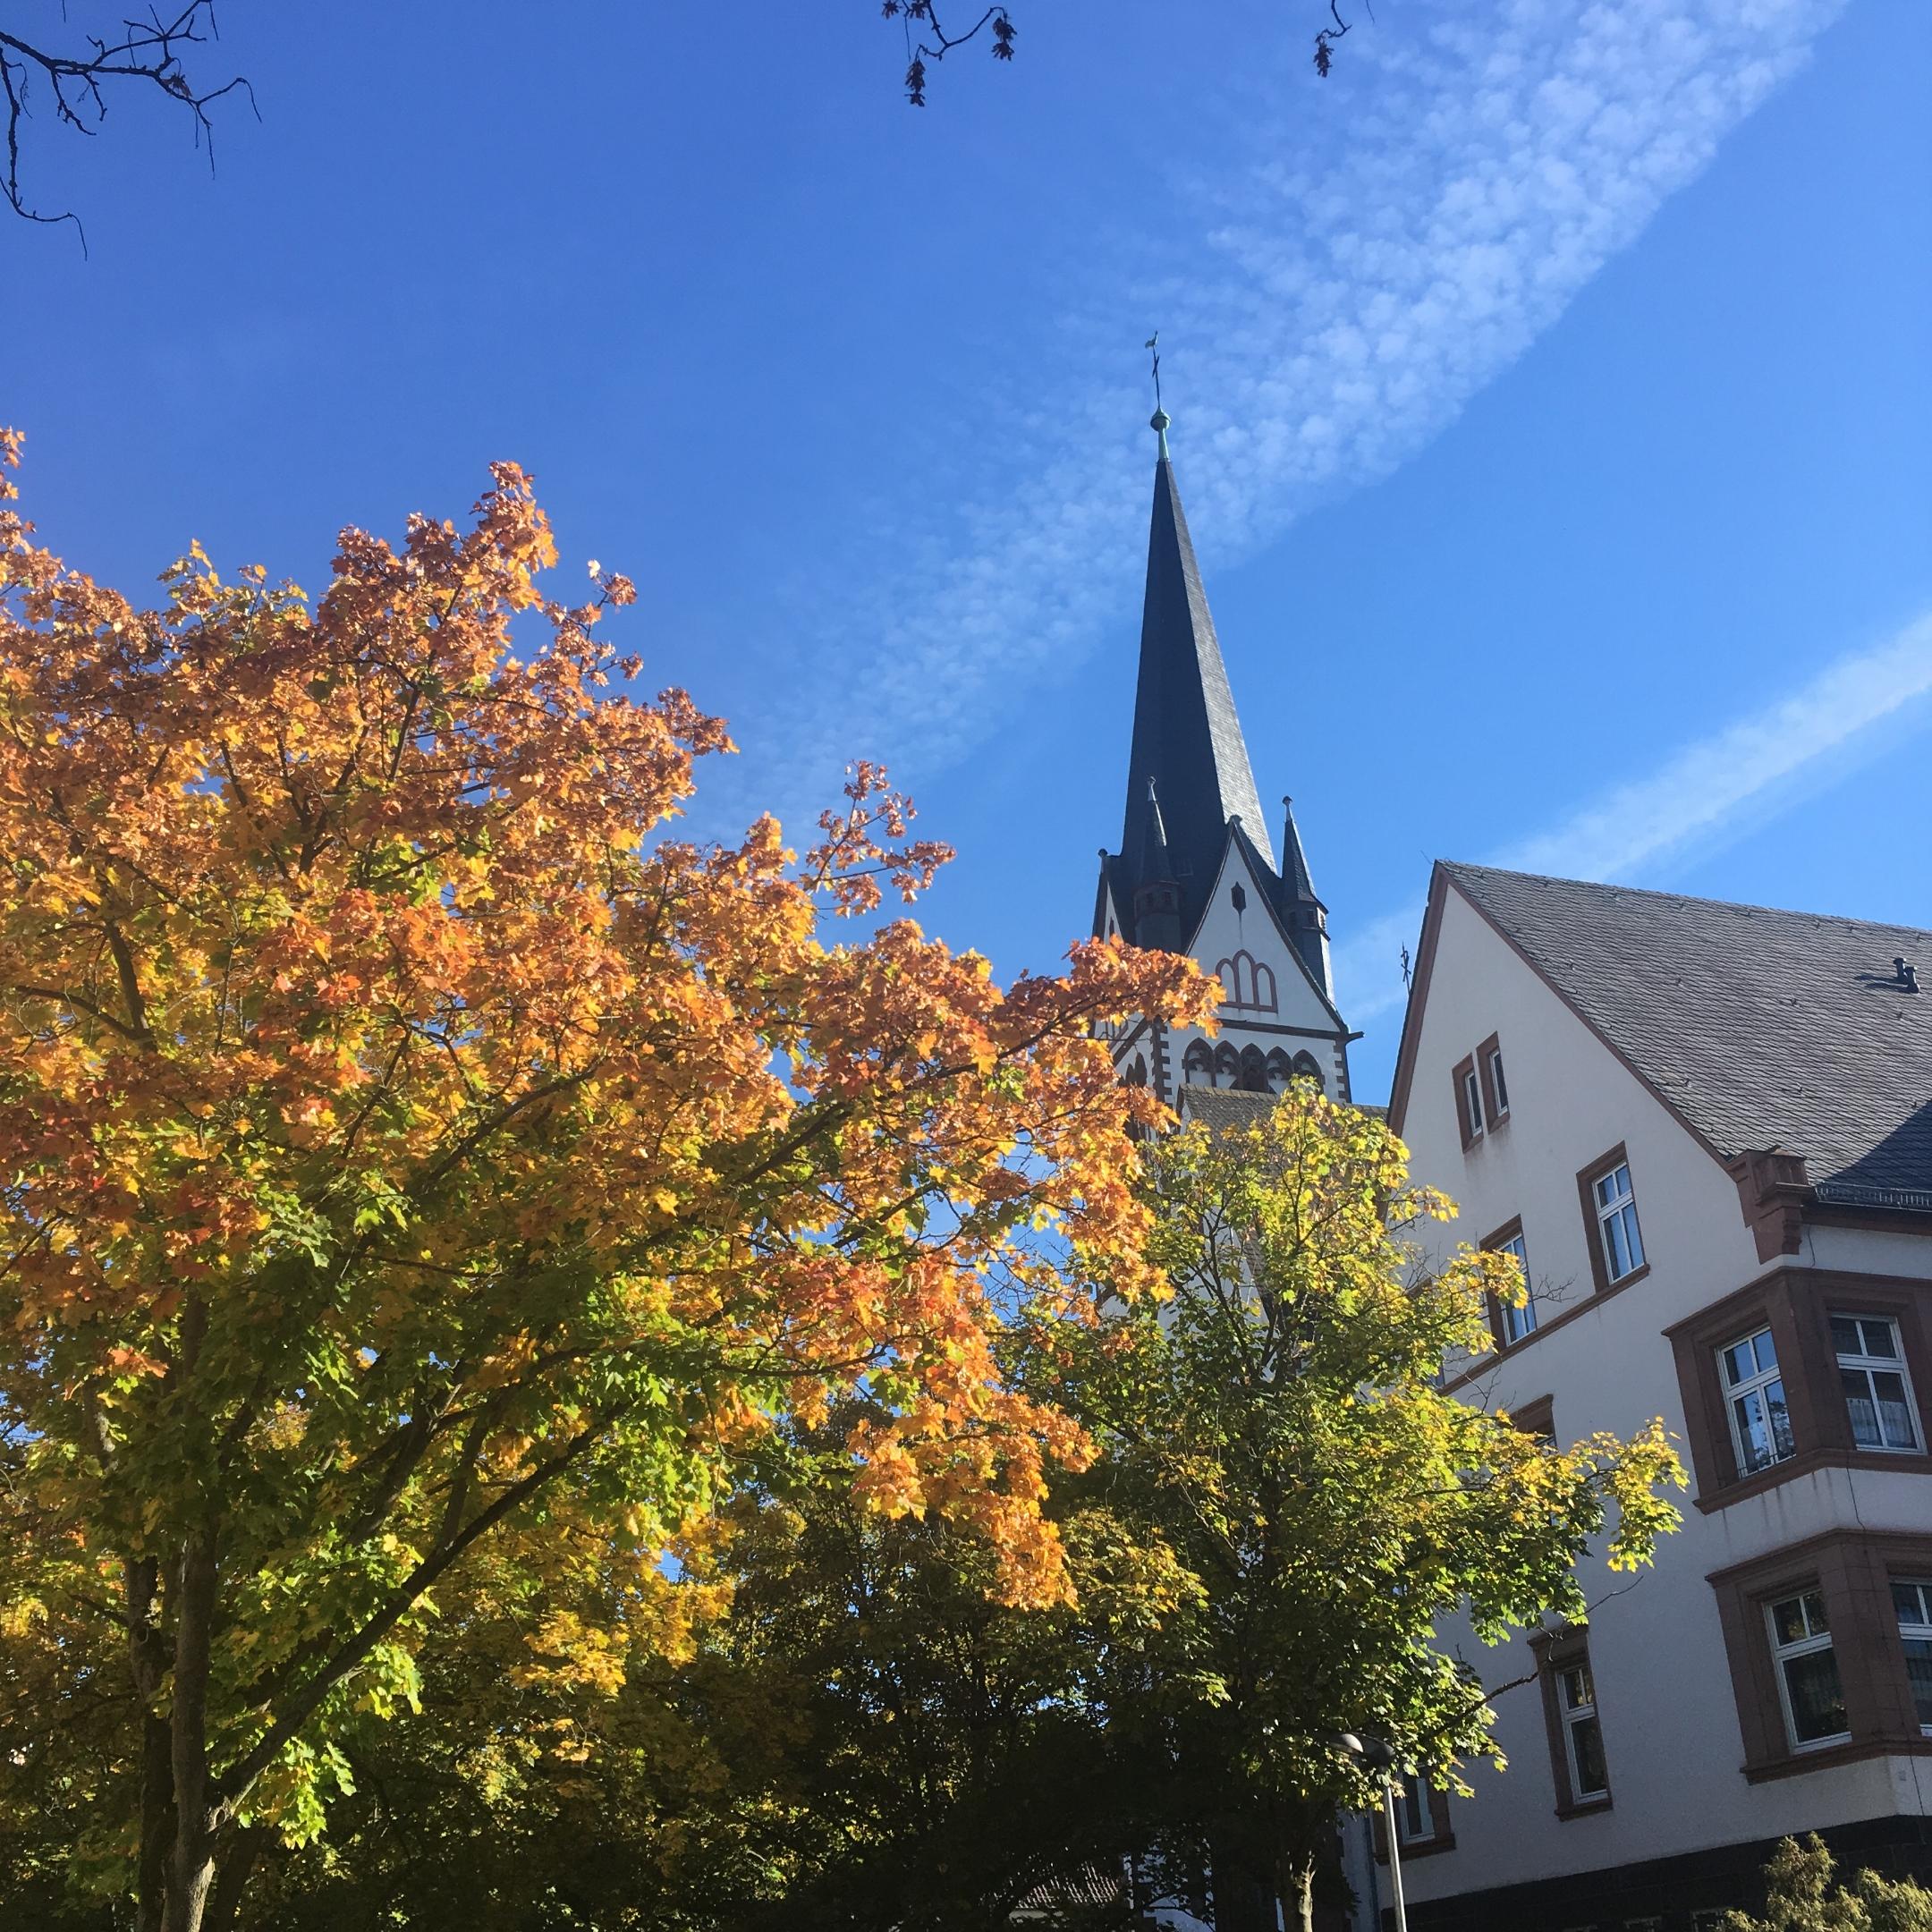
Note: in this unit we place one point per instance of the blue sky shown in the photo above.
(1550, 388)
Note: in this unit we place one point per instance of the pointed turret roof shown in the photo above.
(1187, 739)
(1294, 871)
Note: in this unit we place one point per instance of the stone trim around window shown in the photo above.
(1554, 1651)
(1492, 1308)
(1485, 1072)
(1538, 1418)
(1796, 1304)
(1853, 1568)
(1441, 1838)
(1460, 1075)
(1586, 1181)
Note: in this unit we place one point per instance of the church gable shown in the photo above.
(1241, 941)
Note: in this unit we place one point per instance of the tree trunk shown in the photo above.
(147, 1665)
(197, 1820)
(235, 1862)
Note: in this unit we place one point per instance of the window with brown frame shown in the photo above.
(1578, 1764)
(1830, 1650)
(1469, 1100)
(1536, 1417)
(1511, 1322)
(1610, 1224)
(1421, 1819)
(1495, 1080)
(1792, 1374)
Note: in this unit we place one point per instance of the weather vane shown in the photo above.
(1153, 343)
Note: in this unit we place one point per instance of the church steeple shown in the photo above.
(1306, 918)
(1195, 872)
(1187, 737)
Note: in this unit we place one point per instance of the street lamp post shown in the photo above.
(1378, 1754)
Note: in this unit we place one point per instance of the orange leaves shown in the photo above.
(351, 994)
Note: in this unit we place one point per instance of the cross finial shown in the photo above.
(1158, 422)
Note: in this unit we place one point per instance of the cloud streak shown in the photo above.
(1695, 797)
(1353, 294)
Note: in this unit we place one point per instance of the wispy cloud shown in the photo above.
(1352, 292)
(1694, 799)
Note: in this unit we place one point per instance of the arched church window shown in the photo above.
(1306, 1067)
(1253, 1072)
(1196, 1064)
(1227, 1064)
(1280, 1071)
(1237, 898)
(1246, 982)
(1137, 1072)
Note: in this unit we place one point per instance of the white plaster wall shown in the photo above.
(1667, 1706)
(1223, 931)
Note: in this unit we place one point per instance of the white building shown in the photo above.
(1708, 1130)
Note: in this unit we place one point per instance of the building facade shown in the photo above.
(1706, 1132)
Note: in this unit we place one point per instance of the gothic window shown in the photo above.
(1279, 1071)
(1246, 982)
(1227, 1065)
(1137, 1072)
(1237, 898)
(1253, 1072)
(1306, 1067)
(1196, 1064)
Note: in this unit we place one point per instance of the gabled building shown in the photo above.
(1196, 872)
(1706, 1130)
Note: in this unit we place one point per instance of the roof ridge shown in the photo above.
(1457, 867)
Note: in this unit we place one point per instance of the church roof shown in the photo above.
(1759, 1028)
(1187, 739)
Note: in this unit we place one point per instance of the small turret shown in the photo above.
(1157, 900)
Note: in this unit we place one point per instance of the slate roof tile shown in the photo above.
(1761, 1029)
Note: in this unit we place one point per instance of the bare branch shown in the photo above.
(148, 50)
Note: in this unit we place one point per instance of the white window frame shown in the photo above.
(1917, 1626)
(1472, 1106)
(1867, 1364)
(1572, 1716)
(1415, 1814)
(1809, 1645)
(1752, 1390)
(1620, 1204)
(1518, 1323)
(1499, 1086)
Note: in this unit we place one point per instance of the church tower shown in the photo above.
(1196, 872)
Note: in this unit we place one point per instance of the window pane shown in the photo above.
(1763, 1426)
(1844, 1335)
(1737, 1363)
(1861, 1409)
(1607, 1191)
(1585, 1744)
(1633, 1235)
(1762, 1347)
(1814, 1609)
(1787, 1618)
(1919, 1675)
(1414, 1811)
(1906, 1601)
(1502, 1085)
(1817, 1703)
(1878, 1340)
(1577, 1691)
(1894, 1416)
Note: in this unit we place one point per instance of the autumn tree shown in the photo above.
(405, 1137)
(1279, 1430)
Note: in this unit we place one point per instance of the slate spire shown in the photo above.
(1187, 740)
(1303, 910)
